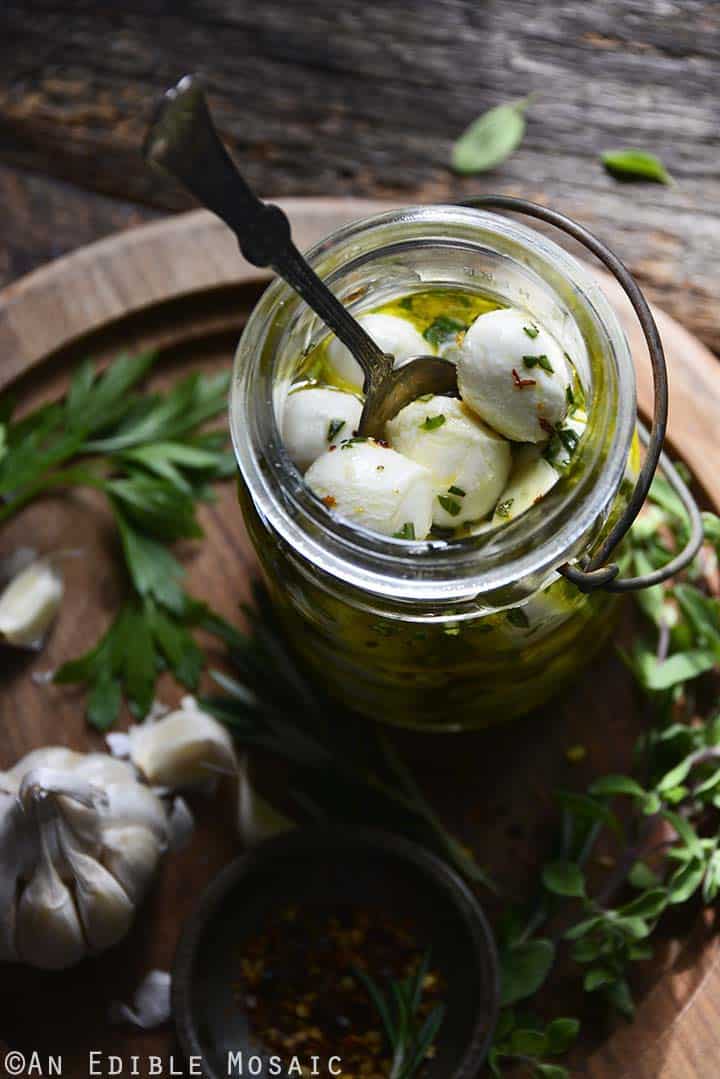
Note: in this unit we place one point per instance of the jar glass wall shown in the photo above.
(441, 634)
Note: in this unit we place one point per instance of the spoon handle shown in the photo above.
(184, 141)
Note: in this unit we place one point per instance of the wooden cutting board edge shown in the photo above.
(128, 272)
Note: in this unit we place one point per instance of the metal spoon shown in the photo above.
(184, 141)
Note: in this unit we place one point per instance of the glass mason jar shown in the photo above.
(438, 634)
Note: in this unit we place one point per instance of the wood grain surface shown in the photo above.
(180, 286)
(366, 99)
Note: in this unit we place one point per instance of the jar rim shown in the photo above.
(426, 571)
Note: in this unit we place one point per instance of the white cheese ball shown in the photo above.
(315, 418)
(462, 453)
(391, 334)
(374, 487)
(519, 397)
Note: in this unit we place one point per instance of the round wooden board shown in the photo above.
(181, 287)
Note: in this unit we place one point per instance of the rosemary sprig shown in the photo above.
(349, 772)
(409, 1031)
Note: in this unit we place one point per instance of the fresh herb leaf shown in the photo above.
(531, 330)
(631, 164)
(491, 138)
(450, 505)
(564, 878)
(524, 969)
(504, 507)
(431, 423)
(443, 329)
(407, 532)
(457, 491)
(538, 361)
(334, 429)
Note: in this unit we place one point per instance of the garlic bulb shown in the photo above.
(29, 603)
(80, 838)
(81, 835)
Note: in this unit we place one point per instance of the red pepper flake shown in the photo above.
(546, 426)
(521, 383)
(381, 442)
(331, 449)
(329, 501)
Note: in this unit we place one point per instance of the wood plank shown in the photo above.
(366, 100)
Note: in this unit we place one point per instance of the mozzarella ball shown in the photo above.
(530, 480)
(514, 375)
(315, 418)
(468, 461)
(391, 334)
(372, 486)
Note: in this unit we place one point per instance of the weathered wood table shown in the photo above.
(366, 99)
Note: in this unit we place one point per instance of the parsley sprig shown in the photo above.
(149, 454)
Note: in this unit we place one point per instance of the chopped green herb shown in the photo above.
(450, 505)
(503, 508)
(334, 428)
(351, 442)
(539, 361)
(569, 438)
(456, 491)
(443, 329)
(425, 397)
(431, 423)
(570, 396)
(531, 331)
(407, 532)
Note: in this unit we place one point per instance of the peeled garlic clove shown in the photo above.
(468, 461)
(48, 933)
(530, 480)
(513, 374)
(131, 854)
(183, 749)
(28, 605)
(315, 418)
(374, 487)
(391, 334)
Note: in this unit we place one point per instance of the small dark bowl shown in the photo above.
(369, 868)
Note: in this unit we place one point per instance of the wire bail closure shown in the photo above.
(595, 572)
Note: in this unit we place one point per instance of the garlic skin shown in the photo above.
(462, 454)
(501, 379)
(317, 417)
(29, 604)
(374, 487)
(183, 749)
(391, 334)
